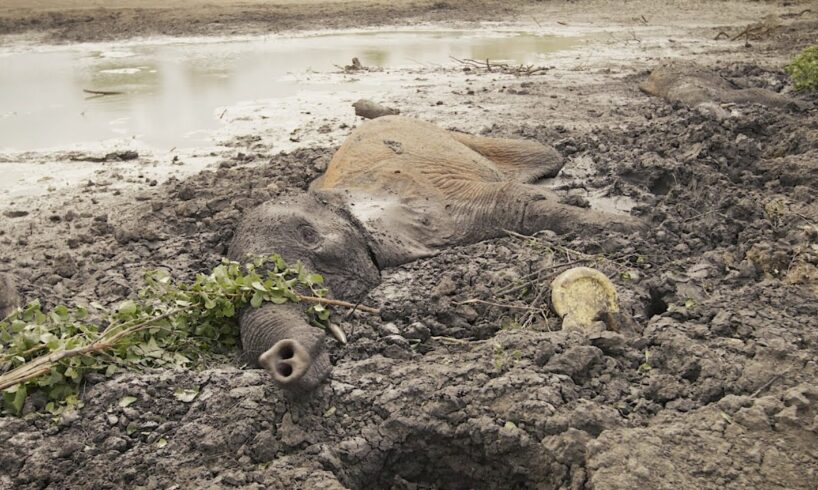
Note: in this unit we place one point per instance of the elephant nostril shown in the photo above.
(286, 352)
(284, 369)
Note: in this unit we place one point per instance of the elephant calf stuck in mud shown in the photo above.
(397, 190)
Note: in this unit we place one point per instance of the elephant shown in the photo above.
(397, 190)
(690, 84)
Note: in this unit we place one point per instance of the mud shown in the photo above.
(711, 385)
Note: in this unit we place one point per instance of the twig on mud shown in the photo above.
(455, 340)
(805, 218)
(537, 300)
(529, 278)
(536, 21)
(769, 383)
(101, 93)
(335, 302)
(491, 303)
(721, 35)
(494, 66)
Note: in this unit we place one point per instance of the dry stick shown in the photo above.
(537, 272)
(335, 302)
(499, 305)
(101, 92)
(768, 383)
(530, 318)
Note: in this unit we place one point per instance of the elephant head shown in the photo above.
(326, 241)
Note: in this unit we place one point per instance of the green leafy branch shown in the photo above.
(170, 324)
(804, 69)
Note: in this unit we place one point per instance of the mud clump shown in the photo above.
(371, 110)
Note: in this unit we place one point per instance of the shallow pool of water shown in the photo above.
(172, 94)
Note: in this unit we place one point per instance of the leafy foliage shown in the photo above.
(804, 69)
(170, 324)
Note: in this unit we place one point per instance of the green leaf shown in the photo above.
(14, 398)
(126, 401)
(315, 279)
(255, 302)
(127, 308)
(186, 395)
(162, 442)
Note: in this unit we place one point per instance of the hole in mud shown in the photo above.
(285, 370)
(656, 304)
(286, 352)
(419, 455)
(662, 185)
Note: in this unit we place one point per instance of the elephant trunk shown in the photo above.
(278, 339)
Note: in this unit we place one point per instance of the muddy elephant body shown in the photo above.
(693, 85)
(397, 190)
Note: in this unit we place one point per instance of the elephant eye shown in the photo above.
(308, 235)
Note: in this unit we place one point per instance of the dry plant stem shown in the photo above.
(499, 305)
(537, 300)
(531, 276)
(335, 302)
(101, 92)
(769, 383)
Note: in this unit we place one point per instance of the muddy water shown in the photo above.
(174, 94)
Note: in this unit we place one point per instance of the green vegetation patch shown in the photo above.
(804, 69)
(170, 324)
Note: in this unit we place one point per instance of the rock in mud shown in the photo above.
(15, 213)
(65, 265)
(371, 110)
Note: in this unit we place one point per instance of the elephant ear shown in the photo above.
(523, 161)
(399, 228)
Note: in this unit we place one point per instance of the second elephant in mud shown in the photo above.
(696, 86)
(397, 190)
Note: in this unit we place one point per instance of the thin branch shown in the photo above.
(335, 302)
(101, 93)
(499, 305)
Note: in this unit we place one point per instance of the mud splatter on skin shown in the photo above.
(714, 388)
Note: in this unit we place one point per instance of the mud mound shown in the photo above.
(79, 252)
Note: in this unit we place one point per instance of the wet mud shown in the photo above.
(709, 382)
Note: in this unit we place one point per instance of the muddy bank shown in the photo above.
(69, 21)
(711, 385)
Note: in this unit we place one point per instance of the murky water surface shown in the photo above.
(173, 93)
